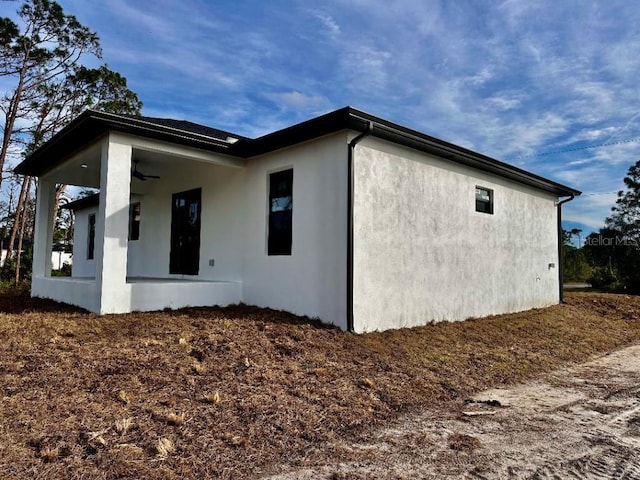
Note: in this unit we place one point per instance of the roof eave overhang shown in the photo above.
(91, 125)
(82, 203)
(349, 118)
(394, 133)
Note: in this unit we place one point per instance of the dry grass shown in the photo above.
(231, 392)
(463, 443)
(165, 447)
(211, 397)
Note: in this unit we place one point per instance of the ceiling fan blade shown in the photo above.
(138, 175)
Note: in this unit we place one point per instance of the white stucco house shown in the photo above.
(346, 217)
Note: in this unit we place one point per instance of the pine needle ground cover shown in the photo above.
(233, 392)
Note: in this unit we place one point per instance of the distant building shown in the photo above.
(59, 255)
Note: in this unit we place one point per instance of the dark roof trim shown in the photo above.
(82, 203)
(353, 119)
(91, 125)
(420, 141)
(316, 127)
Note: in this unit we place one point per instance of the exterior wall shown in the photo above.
(312, 280)
(81, 266)
(43, 235)
(148, 296)
(221, 222)
(145, 296)
(423, 253)
(148, 257)
(221, 228)
(80, 292)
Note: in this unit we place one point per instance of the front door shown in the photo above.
(185, 232)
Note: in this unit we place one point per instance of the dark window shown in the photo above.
(134, 221)
(484, 200)
(184, 257)
(280, 213)
(91, 236)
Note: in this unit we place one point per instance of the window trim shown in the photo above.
(282, 246)
(489, 202)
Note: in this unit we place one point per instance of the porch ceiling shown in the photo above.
(83, 168)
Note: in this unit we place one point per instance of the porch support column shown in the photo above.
(43, 237)
(112, 227)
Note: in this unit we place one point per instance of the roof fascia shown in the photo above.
(299, 133)
(350, 118)
(82, 203)
(392, 132)
(91, 125)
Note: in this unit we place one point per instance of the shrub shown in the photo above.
(65, 271)
(575, 266)
(631, 284)
(602, 278)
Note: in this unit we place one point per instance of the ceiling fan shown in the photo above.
(139, 175)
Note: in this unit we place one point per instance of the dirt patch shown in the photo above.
(243, 392)
(579, 422)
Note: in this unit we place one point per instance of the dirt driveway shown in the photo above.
(580, 422)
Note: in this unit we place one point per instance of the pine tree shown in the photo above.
(625, 219)
(626, 212)
(51, 87)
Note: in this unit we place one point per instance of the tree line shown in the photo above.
(609, 259)
(46, 83)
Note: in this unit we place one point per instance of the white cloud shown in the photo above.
(503, 103)
(328, 22)
(622, 57)
(623, 154)
(300, 100)
(367, 67)
(149, 21)
(594, 134)
(515, 12)
(588, 209)
(478, 79)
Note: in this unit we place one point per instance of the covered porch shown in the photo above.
(125, 275)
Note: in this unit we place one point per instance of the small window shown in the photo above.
(280, 213)
(91, 236)
(134, 221)
(484, 200)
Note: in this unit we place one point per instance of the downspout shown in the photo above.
(350, 158)
(560, 245)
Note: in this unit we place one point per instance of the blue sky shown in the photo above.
(534, 83)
